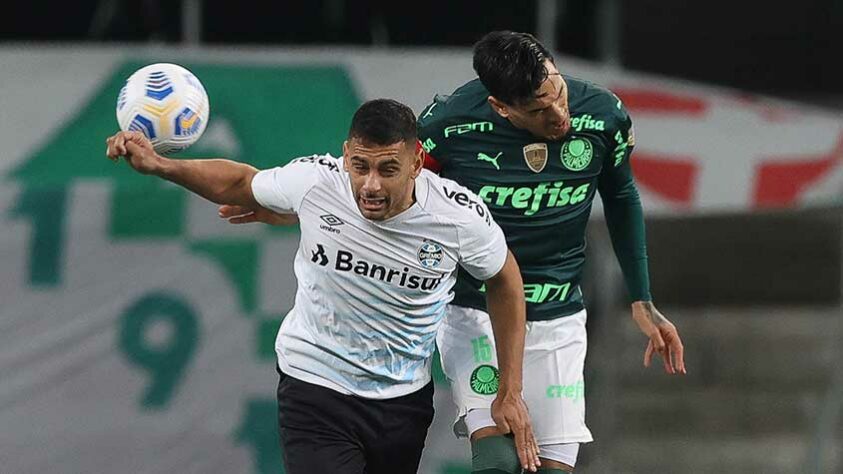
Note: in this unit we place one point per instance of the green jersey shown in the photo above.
(540, 192)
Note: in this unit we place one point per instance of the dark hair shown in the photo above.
(511, 65)
(384, 122)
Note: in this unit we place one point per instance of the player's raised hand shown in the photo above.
(510, 414)
(664, 338)
(245, 215)
(135, 148)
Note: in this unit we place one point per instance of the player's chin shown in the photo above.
(373, 215)
(557, 133)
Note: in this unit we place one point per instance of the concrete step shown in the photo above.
(783, 454)
(749, 404)
(755, 349)
(714, 413)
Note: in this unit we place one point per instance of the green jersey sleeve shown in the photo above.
(431, 125)
(622, 208)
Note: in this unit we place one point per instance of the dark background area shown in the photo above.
(789, 49)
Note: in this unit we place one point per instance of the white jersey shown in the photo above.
(371, 294)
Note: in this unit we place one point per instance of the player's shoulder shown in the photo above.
(592, 103)
(318, 170)
(320, 163)
(453, 203)
(466, 103)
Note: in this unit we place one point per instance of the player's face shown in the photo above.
(382, 177)
(545, 116)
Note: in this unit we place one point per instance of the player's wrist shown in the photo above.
(163, 167)
(642, 304)
(510, 385)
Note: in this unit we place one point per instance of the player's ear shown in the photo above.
(418, 161)
(345, 155)
(499, 107)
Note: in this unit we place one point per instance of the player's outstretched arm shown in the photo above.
(664, 338)
(508, 314)
(219, 181)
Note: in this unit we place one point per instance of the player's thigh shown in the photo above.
(395, 447)
(554, 389)
(467, 349)
(317, 430)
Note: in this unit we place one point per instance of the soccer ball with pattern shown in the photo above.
(167, 103)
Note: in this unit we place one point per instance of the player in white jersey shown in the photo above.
(381, 240)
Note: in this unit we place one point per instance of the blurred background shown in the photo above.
(137, 330)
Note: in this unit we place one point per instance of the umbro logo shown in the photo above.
(332, 221)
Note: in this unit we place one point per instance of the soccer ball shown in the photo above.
(165, 102)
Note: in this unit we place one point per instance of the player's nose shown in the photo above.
(372, 184)
(558, 114)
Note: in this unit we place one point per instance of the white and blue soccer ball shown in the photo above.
(167, 103)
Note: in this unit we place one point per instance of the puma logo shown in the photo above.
(484, 157)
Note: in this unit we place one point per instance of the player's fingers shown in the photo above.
(648, 354)
(132, 148)
(527, 441)
(246, 219)
(110, 152)
(227, 210)
(533, 448)
(679, 354)
(524, 455)
(537, 450)
(136, 137)
(658, 342)
(668, 360)
(120, 145)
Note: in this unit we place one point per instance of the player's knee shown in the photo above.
(494, 455)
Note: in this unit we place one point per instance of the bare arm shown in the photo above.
(508, 314)
(217, 180)
(507, 311)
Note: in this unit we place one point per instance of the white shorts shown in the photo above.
(554, 355)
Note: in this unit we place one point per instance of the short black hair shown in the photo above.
(384, 122)
(511, 65)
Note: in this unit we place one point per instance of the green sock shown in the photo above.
(494, 455)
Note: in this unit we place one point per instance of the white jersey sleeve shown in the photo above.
(282, 189)
(483, 247)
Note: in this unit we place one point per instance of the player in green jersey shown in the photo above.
(536, 146)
